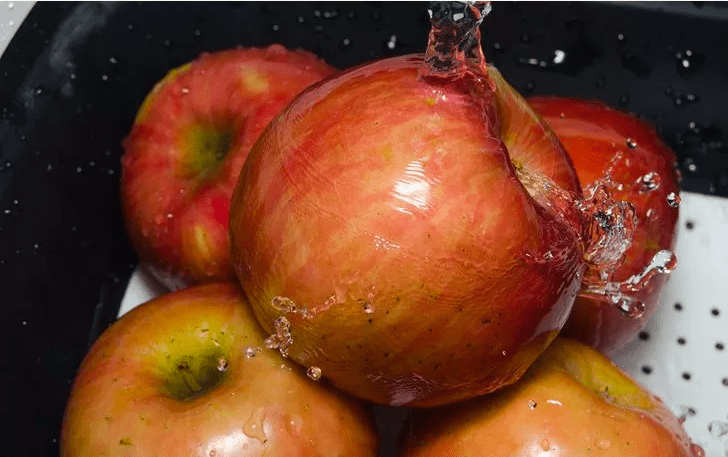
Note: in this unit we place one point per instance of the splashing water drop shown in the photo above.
(282, 338)
(532, 404)
(648, 182)
(632, 144)
(454, 39)
(629, 306)
(673, 199)
(283, 304)
(314, 373)
(620, 294)
(368, 308)
(251, 351)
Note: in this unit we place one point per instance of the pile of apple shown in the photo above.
(397, 234)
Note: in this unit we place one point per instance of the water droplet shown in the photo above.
(392, 43)
(185, 90)
(104, 77)
(368, 308)
(11, 23)
(222, 365)
(283, 304)
(688, 63)
(624, 101)
(631, 143)
(252, 351)
(113, 60)
(314, 373)
(648, 182)
(532, 404)
(629, 306)
(673, 199)
(345, 44)
(254, 426)
(11, 5)
(282, 338)
(604, 444)
(664, 261)
(294, 422)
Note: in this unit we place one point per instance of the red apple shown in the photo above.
(405, 233)
(573, 402)
(185, 150)
(603, 141)
(185, 375)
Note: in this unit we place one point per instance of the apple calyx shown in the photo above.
(191, 377)
(206, 144)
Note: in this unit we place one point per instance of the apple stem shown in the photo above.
(454, 40)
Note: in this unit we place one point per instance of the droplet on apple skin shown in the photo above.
(673, 199)
(314, 373)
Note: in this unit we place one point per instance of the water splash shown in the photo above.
(606, 228)
(282, 338)
(621, 294)
(454, 40)
(673, 199)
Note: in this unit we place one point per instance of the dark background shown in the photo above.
(75, 73)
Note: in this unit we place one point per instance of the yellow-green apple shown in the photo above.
(572, 402)
(185, 150)
(186, 375)
(608, 145)
(411, 231)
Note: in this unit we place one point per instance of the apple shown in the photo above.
(183, 155)
(409, 235)
(573, 402)
(613, 147)
(185, 374)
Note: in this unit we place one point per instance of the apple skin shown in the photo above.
(386, 208)
(185, 150)
(572, 402)
(132, 394)
(592, 132)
